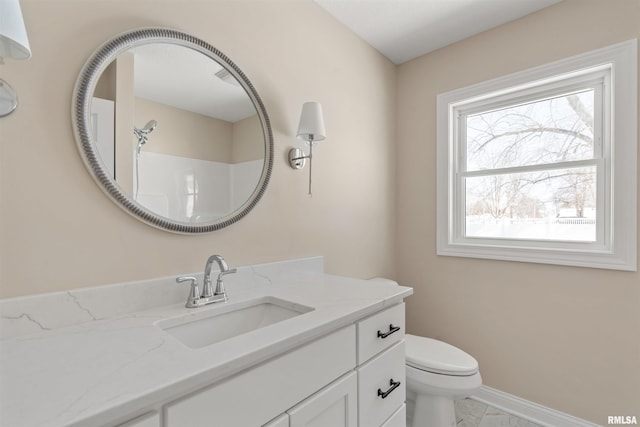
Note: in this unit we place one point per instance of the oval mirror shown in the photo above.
(172, 130)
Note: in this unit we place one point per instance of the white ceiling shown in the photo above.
(400, 29)
(406, 29)
(184, 78)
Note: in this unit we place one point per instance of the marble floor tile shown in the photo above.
(470, 413)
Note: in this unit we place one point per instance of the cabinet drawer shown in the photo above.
(261, 393)
(380, 331)
(399, 419)
(378, 395)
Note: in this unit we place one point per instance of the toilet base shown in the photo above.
(425, 410)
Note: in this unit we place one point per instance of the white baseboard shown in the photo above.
(527, 410)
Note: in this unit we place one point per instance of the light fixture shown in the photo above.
(311, 130)
(13, 44)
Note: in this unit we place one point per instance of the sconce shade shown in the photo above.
(14, 42)
(311, 126)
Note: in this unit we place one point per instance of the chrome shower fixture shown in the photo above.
(141, 134)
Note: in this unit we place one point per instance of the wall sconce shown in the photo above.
(13, 44)
(310, 129)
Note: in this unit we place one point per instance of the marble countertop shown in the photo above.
(86, 357)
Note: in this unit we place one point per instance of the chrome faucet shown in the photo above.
(224, 270)
(208, 295)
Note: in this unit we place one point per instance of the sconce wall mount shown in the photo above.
(297, 158)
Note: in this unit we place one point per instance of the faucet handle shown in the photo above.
(220, 284)
(194, 294)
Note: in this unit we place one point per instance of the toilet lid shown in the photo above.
(438, 357)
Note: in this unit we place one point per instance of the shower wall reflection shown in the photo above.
(196, 180)
(194, 190)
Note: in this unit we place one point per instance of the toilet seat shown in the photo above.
(438, 357)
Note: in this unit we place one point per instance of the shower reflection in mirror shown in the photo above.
(191, 194)
(173, 178)
(141, 136)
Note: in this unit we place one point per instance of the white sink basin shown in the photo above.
(207, 327)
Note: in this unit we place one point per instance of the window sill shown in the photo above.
(591, 259)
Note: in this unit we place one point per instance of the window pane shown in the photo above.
(547, 205)
(547, 131)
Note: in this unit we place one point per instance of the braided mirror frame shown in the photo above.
(81, 122)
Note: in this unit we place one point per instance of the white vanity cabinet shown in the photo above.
(353, 377)
(259, 394)
(349, 378)
(373, 395)
(381, 368)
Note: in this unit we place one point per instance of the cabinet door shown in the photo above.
(334, 406)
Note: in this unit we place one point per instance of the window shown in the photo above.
(540, 166)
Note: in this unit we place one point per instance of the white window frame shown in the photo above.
(616, 67)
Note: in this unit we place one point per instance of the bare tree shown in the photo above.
(550, 131)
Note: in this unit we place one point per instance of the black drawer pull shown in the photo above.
(394, 385)
(392, 329)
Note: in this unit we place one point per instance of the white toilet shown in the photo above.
(437, 374)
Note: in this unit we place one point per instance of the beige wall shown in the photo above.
(247, 140)
(201, 137)
(59, 231)
(124, 121)
(567, 338)
(198, 136)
